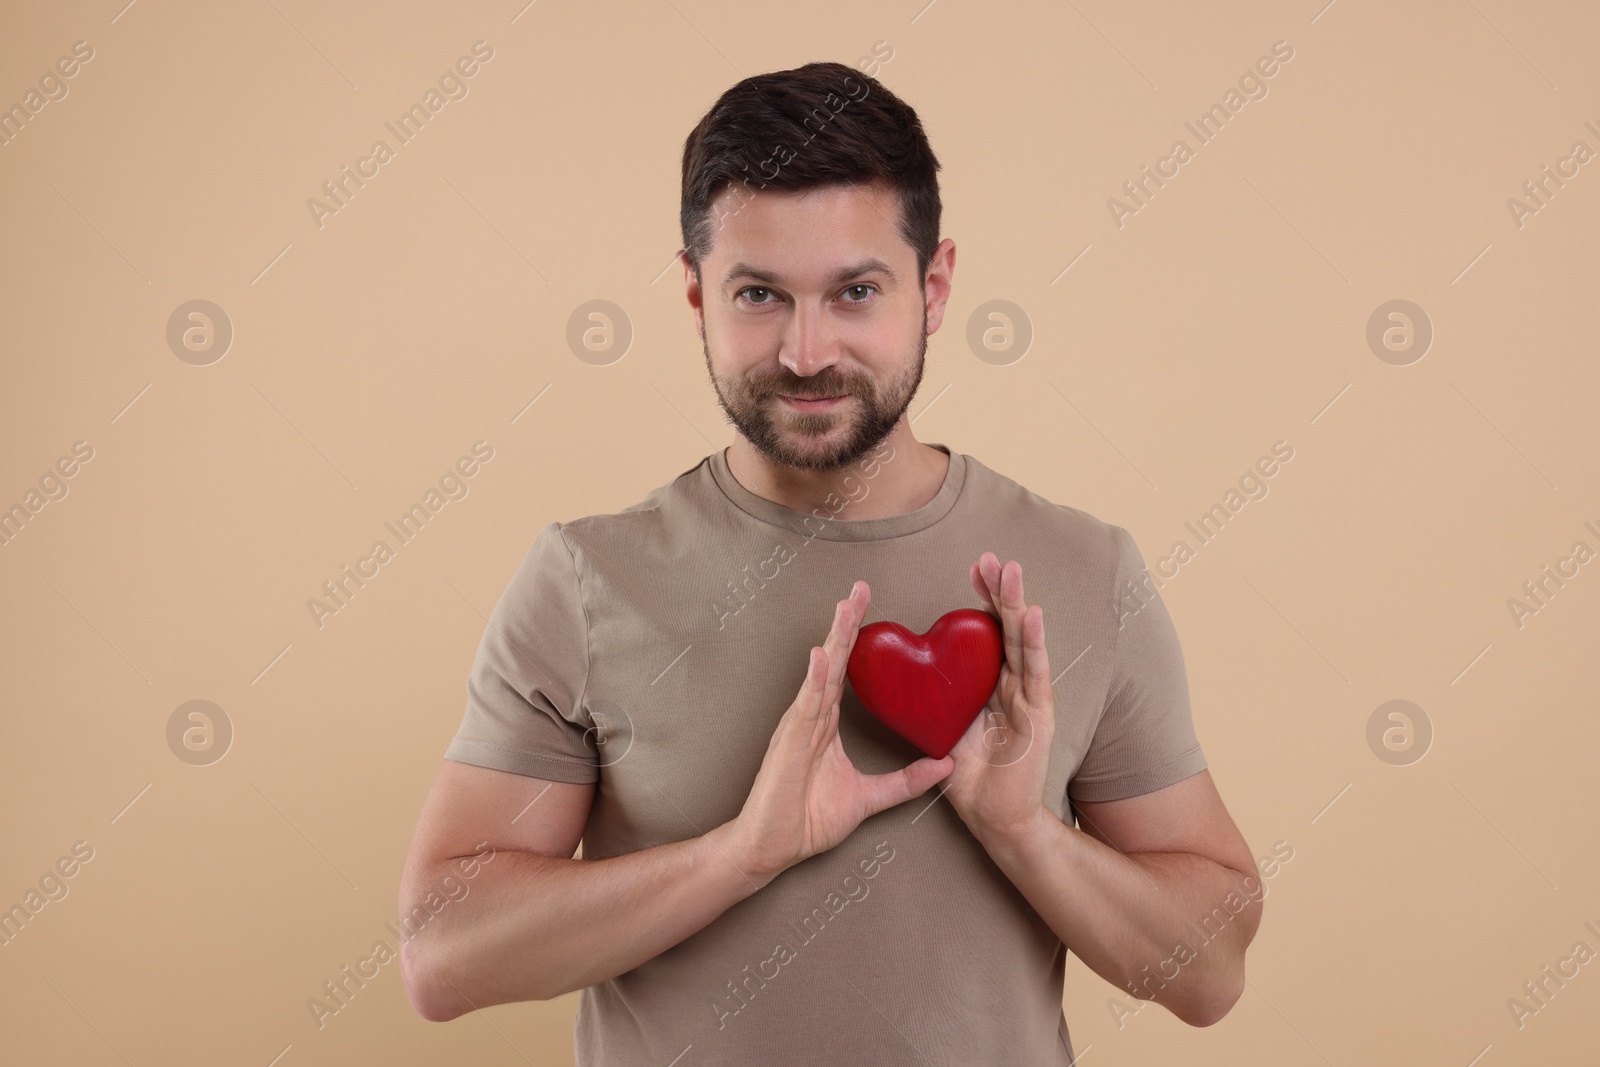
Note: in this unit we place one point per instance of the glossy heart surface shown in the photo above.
(928, 687)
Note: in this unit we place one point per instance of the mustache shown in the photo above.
(816, 387)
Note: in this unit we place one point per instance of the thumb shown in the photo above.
(896, 787)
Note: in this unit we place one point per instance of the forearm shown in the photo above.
(535, 927)
(1166, 926)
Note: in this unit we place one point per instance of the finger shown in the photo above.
(1011, 612)
(980, 587)
(804, 713)
(833, 663)
(859, 605)
(809, 699)
(859, 599)
(841, 639)
(896, 787)
(1036, 688)
(989, 569)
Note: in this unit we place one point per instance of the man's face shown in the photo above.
(812, 294)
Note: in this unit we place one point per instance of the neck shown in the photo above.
(883, 488)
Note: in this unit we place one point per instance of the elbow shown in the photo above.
(438, 989)
(1214, 1002)
(426, 987)
(429, 1007)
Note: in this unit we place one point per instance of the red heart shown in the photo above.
(928, 687)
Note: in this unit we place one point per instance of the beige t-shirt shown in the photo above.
(653, 651)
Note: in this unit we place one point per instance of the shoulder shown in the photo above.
(1073, 535)
(650, 528)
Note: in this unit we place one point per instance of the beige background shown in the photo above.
(368, 354)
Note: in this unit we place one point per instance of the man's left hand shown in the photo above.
(997, 786)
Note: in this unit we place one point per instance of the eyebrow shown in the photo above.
(867, 266)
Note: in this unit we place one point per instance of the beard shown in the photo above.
(813, 441)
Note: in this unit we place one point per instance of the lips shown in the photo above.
(812, 404)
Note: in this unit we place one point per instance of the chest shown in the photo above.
(685, 692)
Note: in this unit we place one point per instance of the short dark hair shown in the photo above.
(816, 125)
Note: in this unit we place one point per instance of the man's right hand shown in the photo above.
(808, 796)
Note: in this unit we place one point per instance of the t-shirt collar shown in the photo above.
(837, 525)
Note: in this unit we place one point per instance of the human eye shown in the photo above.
(754, 289)
(870, 289)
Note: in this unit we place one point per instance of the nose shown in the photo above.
(809, 343)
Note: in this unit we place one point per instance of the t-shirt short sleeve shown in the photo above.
(525, 691)
(1145, 739)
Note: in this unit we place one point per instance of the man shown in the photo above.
(763, 879)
